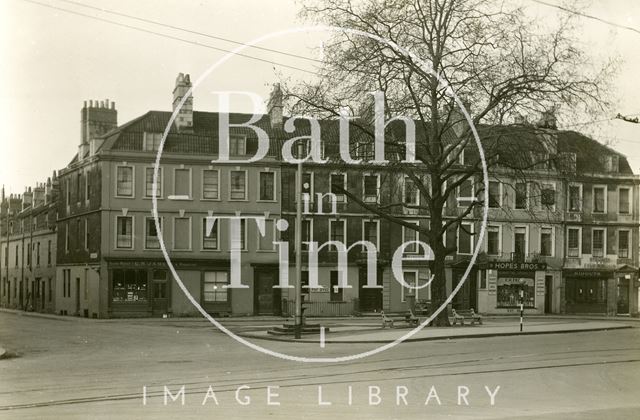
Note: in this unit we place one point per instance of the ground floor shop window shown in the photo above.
(509, 286)
(129, 285)
(214, 290)
(586, 291)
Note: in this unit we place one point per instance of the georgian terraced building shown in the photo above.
(28, 245)
(108, 243)
(86, 243)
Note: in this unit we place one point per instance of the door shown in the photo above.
(266, 297)
(159, 292)
(467, 296)
(37, 295)
(370, 299)
(548, 298)
(42, 295)
(623, 296)
(77, 295)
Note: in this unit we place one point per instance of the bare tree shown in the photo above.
(500, 62)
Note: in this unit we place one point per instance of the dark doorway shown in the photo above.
(159, 292)
(548, 296)
(21, 293)
(37, 295)
(78, 296)
(467, 296)
(370, 299)
(42, 294)
(266, 298)
(623, 297)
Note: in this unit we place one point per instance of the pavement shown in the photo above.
(366, 333)
(368, 329)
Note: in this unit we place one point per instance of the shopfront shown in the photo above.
(138, 288)
(587, 290)
(500, 291)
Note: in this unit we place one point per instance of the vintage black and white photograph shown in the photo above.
(322, 209)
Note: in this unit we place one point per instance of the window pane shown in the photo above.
(124, 181)
(213, 288)
(371, 232)
(128, 285)
(520, 242)
(124, 236)
(210, 238)
(337, 230)
(598, 199)
(210, 184)
(521, 195)
(494, 194)
(410, 235)
(337, 185)
(623, 205)
(493, 240)
(267, 190)
(623, 244)
(598, 243)
(148, 181)
(545, 242)
(574, 198)
(151, 240)
(238, 185)
(410, 192)
(370, 188)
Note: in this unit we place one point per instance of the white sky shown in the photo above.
(52, 61)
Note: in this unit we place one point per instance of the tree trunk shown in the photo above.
(439, 291)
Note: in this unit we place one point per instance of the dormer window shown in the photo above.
(237, 146)
(611, 163)
(151, 142)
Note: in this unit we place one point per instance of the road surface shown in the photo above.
(79, 369)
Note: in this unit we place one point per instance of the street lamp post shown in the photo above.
(521, 303)
(298, 247)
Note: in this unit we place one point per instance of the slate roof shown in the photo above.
(203, 138)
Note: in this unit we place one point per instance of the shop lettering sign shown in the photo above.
(587, 274)
(521, 266)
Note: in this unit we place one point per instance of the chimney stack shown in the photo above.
(519, 119)
(97, 119)
(548, 119)
(275, 107)
(38, 195)
(184, 119)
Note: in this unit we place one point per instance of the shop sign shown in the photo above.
(136, 264)
(519, 266)
(588, 274)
